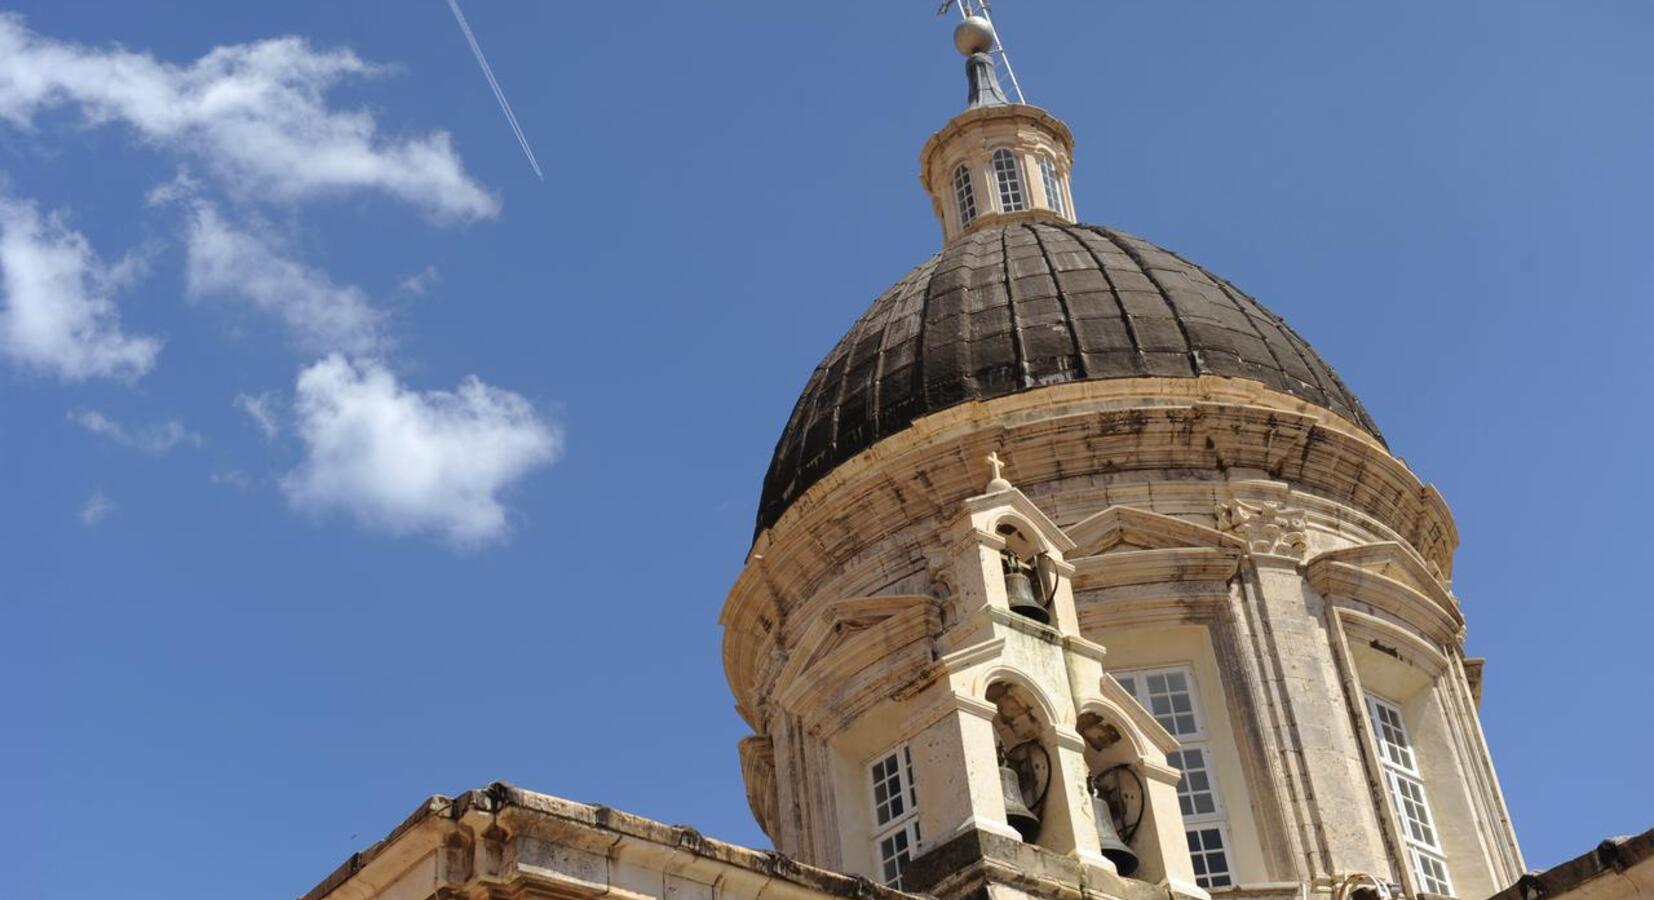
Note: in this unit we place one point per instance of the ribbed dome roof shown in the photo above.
(1026, 305)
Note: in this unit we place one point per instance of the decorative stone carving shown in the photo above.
(1268, 528)
(939, 571)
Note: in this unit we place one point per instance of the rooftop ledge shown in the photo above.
(510, 815)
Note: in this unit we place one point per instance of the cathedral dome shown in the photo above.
(1020, 305)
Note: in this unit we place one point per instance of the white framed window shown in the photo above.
(1053, 185)
(1008, 176)
(1197, 796)
(964, 196)
(1432, 873)
(1208, 851)
(1405, 783)
(1169, 694)
(895, 813)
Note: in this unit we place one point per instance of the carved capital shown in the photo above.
(1268, 528)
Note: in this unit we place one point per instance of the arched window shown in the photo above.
(964, 196)
(1053, 184)
(1008, 174)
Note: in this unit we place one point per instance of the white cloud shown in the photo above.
(225, 261)
(58, 315)
(405, 461)
(420, 282)
(261, 409)
(157, 439)
(96, 509)
(233, 478)
(256, 113)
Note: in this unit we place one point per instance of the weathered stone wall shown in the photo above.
(1269, 523)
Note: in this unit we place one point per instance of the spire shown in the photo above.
(976, 39)
(984, 82)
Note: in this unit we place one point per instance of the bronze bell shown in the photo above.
(1019, 589)
(1017, 812)
(1114, 850)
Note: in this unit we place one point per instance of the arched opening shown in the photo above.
(1052, 181)
(1008, 177)
(1030, 774)
(964, 196)
(1029, 573)
(1119, 797)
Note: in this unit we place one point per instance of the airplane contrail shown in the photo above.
(505, 107)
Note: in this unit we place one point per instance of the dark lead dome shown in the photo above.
(1020, 306)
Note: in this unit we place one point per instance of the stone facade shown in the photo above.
(1282, 556)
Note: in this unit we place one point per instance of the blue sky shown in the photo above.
(343, 461)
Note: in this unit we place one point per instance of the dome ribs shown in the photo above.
(1021, 377)
(855, 410)
(1111, 350)
(1276, 374)
(1076, 359)
(1309, 380)
(898, 383)
(1334, 393)
(1158, 334)
(944, 353)
(1024, 305)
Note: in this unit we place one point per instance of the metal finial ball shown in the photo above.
(974, 35)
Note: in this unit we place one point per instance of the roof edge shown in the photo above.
(615, 826)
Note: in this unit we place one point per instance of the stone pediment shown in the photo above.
(987, 506)
(1121, 529)
(1386, 577)
(1395, 562)
(854, 641)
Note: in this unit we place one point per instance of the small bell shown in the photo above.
(1113, 849)
(1017, 812)
(1019, 589)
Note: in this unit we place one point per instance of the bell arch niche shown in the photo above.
(1131, 791)
(1028, 569)
(1008, 561)
(1036, 780)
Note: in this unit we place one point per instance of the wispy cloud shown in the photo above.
(155, 439)
(256, 114)
(406, 461)
(58, 315)
(418, 283)
(233, 478)
(96, 508)
(261, 409)
(239, 264)
(488, 73)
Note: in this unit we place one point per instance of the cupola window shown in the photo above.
(1406, 787)
(964, 196)
(1008, 175)
(1053, 185)
(1169, 695)
(895, 813)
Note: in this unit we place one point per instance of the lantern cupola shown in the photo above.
(998, 161)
